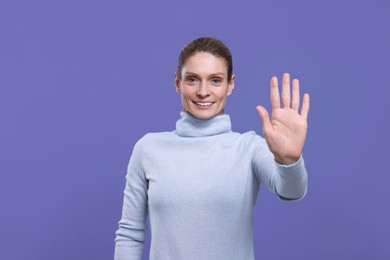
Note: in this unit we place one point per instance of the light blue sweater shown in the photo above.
(198, 184)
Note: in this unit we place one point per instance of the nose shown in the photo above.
(203, 90)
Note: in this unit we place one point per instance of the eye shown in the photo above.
(191, 80)
(216, 81)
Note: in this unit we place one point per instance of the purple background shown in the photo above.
(82, 82)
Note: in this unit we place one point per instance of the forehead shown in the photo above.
(204, 63)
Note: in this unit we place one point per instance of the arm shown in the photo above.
(130, 235)
(292, 183)
(287, 182)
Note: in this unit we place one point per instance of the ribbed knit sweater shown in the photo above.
(198, 184)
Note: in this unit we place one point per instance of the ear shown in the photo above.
(177, 83)
(231, 85)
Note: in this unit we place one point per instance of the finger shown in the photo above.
(286, 98)
(264, 116)
(295, 95)
(305, 106)
(275, 98)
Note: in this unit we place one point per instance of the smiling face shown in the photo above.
(204, 86)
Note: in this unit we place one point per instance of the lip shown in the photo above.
(203, 107)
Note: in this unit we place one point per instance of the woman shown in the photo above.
(199, 183)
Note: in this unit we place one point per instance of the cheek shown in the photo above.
(186, 92)
(221, 94)
(185, 95)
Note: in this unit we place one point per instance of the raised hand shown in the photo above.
(285, 132)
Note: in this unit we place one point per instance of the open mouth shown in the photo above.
(203, 104)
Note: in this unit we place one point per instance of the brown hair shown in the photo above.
(210, 45)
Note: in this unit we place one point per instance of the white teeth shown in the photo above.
(204, 104)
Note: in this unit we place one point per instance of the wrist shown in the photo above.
(286, 160)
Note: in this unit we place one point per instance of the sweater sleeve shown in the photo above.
(287, 182)
(130, 235)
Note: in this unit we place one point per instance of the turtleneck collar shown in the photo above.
(191, 126)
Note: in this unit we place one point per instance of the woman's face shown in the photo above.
(204, 86)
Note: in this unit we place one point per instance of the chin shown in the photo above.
(204, 114)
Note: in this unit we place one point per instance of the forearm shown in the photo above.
(128, 243)
(291, 181)
(130, 235)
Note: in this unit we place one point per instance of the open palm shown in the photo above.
(285, 132)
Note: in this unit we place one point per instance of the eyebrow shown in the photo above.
(211, 75)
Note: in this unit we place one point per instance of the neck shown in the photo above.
(191, 126)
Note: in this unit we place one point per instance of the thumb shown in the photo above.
(264, 117)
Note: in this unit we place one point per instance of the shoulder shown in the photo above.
(252, 138)
(247, 142)
(151, 136)
(256, 145)
(151, 139)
